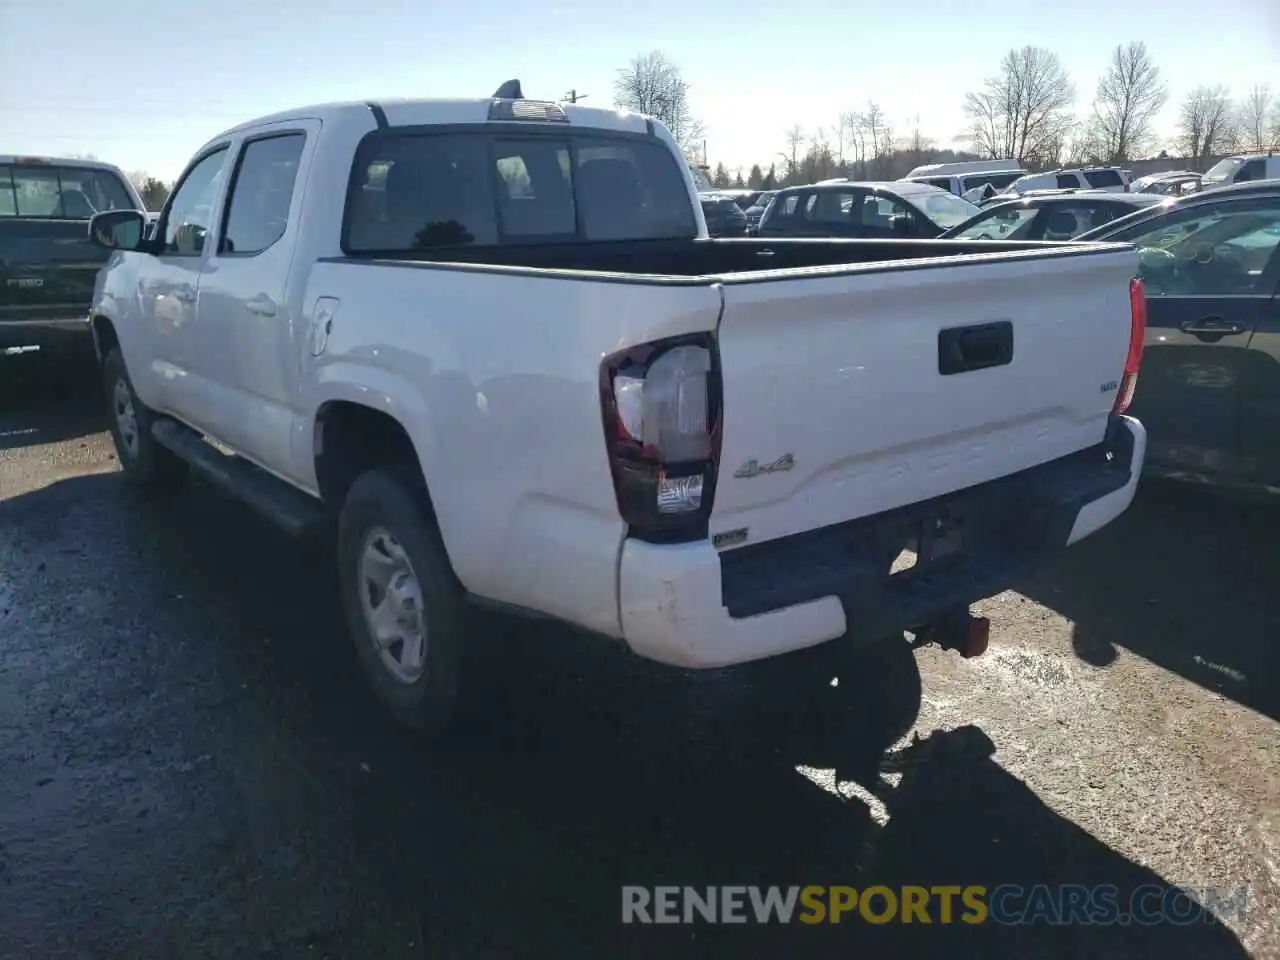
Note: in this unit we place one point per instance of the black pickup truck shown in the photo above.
(47, 264)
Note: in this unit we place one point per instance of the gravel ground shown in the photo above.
(190, 766)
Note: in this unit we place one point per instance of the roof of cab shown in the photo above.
(900, 187)
(423, 111)
(31, 158)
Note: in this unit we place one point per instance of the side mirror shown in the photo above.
(118, 229)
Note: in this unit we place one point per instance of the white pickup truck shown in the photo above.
(488, 342)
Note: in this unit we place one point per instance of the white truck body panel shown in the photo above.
(836, 365)
(494, 374)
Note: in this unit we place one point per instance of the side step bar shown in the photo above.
(291, 509)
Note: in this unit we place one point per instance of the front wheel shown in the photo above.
(403, 604)
(145, 462)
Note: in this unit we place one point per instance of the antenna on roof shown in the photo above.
(509, 91)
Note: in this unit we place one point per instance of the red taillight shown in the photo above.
(661, 405)
(1137, 336)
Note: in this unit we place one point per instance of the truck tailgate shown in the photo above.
(836, 406)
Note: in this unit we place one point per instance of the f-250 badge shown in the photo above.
(754, 468)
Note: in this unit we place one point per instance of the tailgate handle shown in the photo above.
(961, 349)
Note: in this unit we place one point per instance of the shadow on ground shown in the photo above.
(40, 403)
(189, 766)
(1187, 580)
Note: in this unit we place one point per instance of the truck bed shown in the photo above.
(712, 257)
(833, 364)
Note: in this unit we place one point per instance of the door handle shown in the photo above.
(1211, 327)
(262, 305)
(185, 293)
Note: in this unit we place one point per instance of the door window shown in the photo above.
(832, 208)
(1103, 178)
(1065, 221)
(186, 224)
(1067, 181)
(1218, 250)
(261, 194)
(1255, 169)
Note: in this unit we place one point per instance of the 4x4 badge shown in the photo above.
(754, 468)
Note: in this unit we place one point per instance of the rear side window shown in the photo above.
(261, 194)
(998, 180)
(59, 193)
(422, 190)
(1103, 178)
(1255, 169)
(784, 206)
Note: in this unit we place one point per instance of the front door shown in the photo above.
(169, 282)
(1206, 270)
(246, 337)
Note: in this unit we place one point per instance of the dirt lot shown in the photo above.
(190, 766)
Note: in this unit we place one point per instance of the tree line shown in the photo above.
(1026, 111)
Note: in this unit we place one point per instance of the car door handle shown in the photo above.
(262, 305)
(185, 293)
(1211, 327)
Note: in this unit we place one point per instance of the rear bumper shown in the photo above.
(47, 333)
(694, 606)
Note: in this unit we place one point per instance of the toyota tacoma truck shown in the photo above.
(487, 346)
(47, 264)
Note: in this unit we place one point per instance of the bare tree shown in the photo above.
(1259, 120)
(879, 138)
(653, 85)
(820, 157)
(916, 144)
(1205, 123)
(1130, 95)
(1023, 109)
(855, 129)
(795, 139)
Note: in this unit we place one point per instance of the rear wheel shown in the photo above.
(403, 604)
(146, 463)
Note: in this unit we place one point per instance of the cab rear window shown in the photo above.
(420, 191)
(52, 192)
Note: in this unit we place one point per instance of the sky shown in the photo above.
(143, 83)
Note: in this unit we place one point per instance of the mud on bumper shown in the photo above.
(694, 606)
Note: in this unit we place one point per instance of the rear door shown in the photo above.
(1206, 269)
(47, 264)
(838, 375)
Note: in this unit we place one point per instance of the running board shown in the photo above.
(289, 508)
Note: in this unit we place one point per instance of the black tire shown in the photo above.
(146, 464)
(379, 499)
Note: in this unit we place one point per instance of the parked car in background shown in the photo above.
(1057, 216)
(1210, 385)
(1175, 186)
(742, 196)
(1241, 168)
(1112, 179)
(994, 198)
(898, 208)
(47, 264)
(966, 179)
(1140, 184)
(725, 218)
(757, 209)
